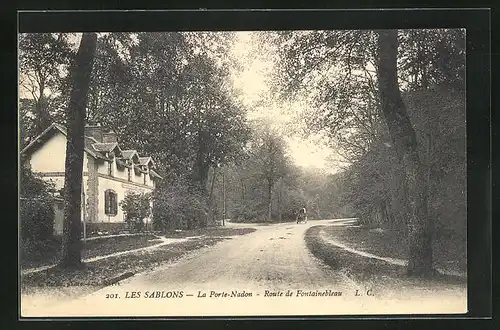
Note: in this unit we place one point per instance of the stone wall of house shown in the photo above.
(122, 173)
(138, 177)
(92, 188)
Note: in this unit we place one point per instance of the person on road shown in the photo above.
(302, 215)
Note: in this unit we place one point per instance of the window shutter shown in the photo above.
(110, 202)
(115, 204)
(106, 202)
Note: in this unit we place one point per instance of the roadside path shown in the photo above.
(393, 261)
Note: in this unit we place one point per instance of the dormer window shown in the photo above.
(129, 174)
(110, 168)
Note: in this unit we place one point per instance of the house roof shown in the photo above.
(146, 161)
(153, 173)
(128, 154)
(105, 147)
(58, 128)
(95, 149)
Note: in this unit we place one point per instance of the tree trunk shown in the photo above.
(210, 216)
(200, 176)
(242, 190)
(387, 216)
(42, 116)
(420, 226)
(71, 244)
(223, 199)
(280, 200)
(269, 199)
(200, 169)
(429, 163)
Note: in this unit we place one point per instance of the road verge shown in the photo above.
(367, 271)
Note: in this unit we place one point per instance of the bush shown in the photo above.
(36, 215)
(177, 205)
(249, 212)
(137, 207)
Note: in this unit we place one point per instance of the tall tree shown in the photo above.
(44, 60)
(172, 90)
(82, 69)
(270, 156)
(405, 140)
(340, 75)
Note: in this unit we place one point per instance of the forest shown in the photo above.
(391, 104)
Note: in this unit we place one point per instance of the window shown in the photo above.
(145, 178)
(110, 202)
(110, 169)
(129, 175)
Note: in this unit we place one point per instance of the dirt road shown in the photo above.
(274, 257)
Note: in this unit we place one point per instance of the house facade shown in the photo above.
(109, 173)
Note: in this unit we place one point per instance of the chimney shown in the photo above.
(109, 137)
(94, 131)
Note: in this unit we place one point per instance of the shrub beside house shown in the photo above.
(36, 215)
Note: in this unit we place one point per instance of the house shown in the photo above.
(109, 173)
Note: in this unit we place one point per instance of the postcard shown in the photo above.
(242, 173)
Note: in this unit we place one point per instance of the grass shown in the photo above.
(103, 246)
(91, 248)
(370, 272)
(448, 252)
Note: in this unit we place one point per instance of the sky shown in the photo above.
(309, 152)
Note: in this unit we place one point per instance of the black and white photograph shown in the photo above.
(242, 173)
